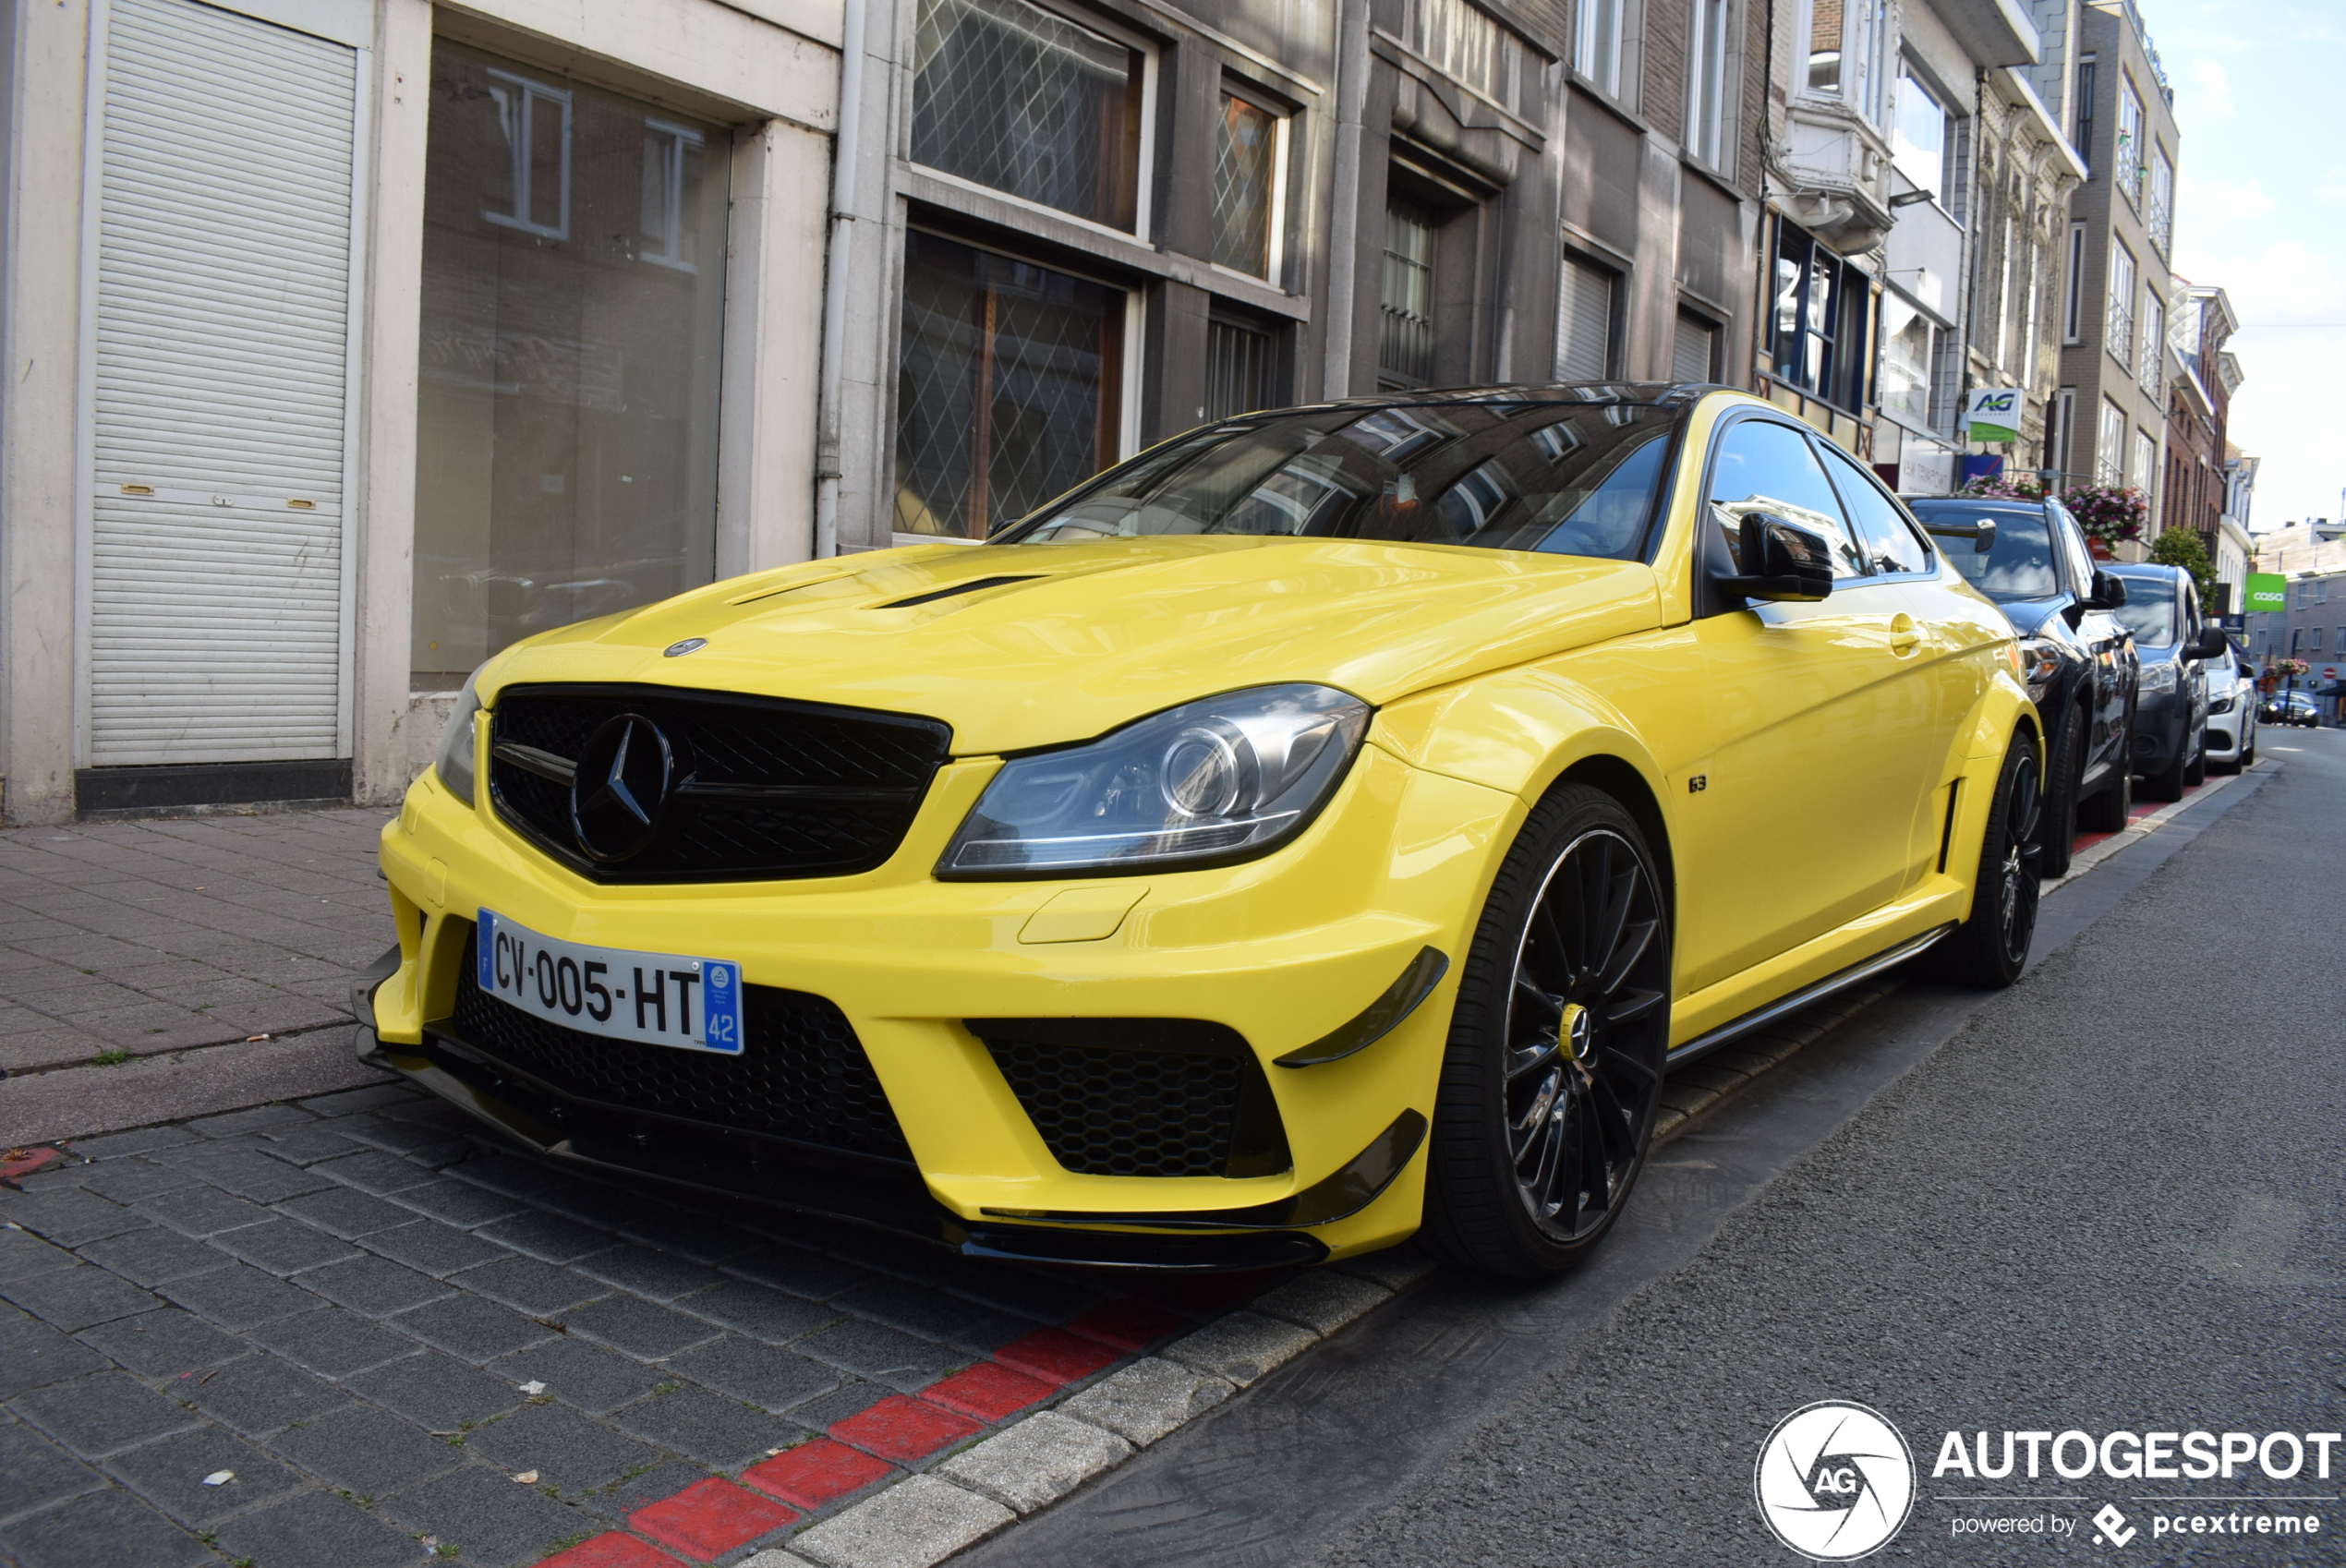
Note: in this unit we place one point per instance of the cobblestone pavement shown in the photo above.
(124, 939)
(340, 1333)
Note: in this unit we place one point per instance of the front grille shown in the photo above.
(1106, 1109)
(762, 788)
(802, 1074)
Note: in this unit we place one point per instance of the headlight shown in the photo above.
(454, 764)
(2221, 704)
(1223, 780)
(2157, 675)
(2039, 662)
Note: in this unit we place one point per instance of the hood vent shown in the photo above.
(969, 588)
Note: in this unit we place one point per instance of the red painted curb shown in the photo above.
(816, 1473)
(1128, 1325)
(610, 1550)
(25, 1162)
(903, 1429)
(711, 1517)
(988, 1390)
(1056, 1356)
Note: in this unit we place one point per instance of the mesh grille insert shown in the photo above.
(761, 787)
(1140, 1097)
(801, 1073)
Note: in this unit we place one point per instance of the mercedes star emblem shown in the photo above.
(619, 786)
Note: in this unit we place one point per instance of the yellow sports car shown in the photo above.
(1331, 823)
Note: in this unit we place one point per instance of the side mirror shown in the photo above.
(1781, 561)
(2109, 592)
(1982, 534)
(2211, 643)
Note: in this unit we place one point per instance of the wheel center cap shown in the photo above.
(1579, 1030)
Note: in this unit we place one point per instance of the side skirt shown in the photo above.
(1815, 991)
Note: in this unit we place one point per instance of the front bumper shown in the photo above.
(2224, 733)
(1284, 951)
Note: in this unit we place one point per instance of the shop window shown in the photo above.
(1246, 158)
(1009, 387)
(1707, 83)
(1024, 100)
(1405, 342)
(1586, 313)
(1820, 316)
(1239, 367)
(572, 298)
(529, 184)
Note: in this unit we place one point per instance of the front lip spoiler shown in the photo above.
(878, 1195)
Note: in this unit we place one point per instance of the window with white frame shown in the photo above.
(2004, 299)
(1465, 43)
(1826, 22)
(1910, 346)
(1024, 101)
(2144, 474)
(672, 186)
(1920, 142)
(2125, 164)
(2109, 448)
(2163, 199)
(1249, 164)
(2074, 286)
(533, 119)
(2121, 335)
(1850, 51)
(2061, 424)
(2152, 370)
(1596, 44)
(1707, 84)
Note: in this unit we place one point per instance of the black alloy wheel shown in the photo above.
(1557, 1045)
(2060, 834)
(1990, 948)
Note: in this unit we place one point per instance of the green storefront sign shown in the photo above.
(2267, 594)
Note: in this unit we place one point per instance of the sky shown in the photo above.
(2261, 210)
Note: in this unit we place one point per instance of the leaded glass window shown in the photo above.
(1245, 177)
(1009, 387)
(1021, 100)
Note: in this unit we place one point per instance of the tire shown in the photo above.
(1988, 950)
(2107, 809)
(2060, 830)
(1557, 1045)
(2196, 772)
(2248, 752)
(2168, 783)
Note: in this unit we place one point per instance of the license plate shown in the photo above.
(657, 998)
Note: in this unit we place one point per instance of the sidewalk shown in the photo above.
(139, 961)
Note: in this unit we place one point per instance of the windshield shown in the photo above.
(2149, 610)
(2020, 567)
(1565, 478)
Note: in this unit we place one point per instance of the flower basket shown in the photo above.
(2110, 514)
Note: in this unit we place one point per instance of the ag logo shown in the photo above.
(1834, 1481)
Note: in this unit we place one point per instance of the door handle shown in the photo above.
(1904, 638)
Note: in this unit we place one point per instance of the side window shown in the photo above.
(1759, 465)
(2073, 549)
(1892, 544)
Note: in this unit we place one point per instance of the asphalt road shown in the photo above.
(2109, 1198)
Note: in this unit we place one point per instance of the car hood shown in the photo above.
(2028, 616)
(1090, 636)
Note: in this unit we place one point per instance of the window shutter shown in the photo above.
(1584, 323)
(1691, 357)
(216, 613)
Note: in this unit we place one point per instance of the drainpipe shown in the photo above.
(1352, 65)
(845, 149)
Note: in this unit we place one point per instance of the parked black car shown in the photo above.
(2171, 715)
(2294, 708)
(2081, 666)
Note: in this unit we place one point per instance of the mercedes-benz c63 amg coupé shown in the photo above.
(1332, 823)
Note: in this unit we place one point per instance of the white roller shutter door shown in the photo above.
(216, 576)
(1584, 323)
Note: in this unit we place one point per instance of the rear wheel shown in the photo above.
(2248, 751)
(1989, 949)
(1557, 1048)
(2060, 829)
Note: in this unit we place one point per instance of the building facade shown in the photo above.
(1076, 227)
(349, 340)
(2201, 376)
(2116, 284)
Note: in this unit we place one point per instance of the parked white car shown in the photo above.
(2232, 713)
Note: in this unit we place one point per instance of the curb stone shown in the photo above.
(918, 1522)
(1148, 1399)
(1242, 1346)
(1036, 1461)
(1321, 1301)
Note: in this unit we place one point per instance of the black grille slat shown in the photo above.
(878, 763)
(801, 1073)
(1108, 1111)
